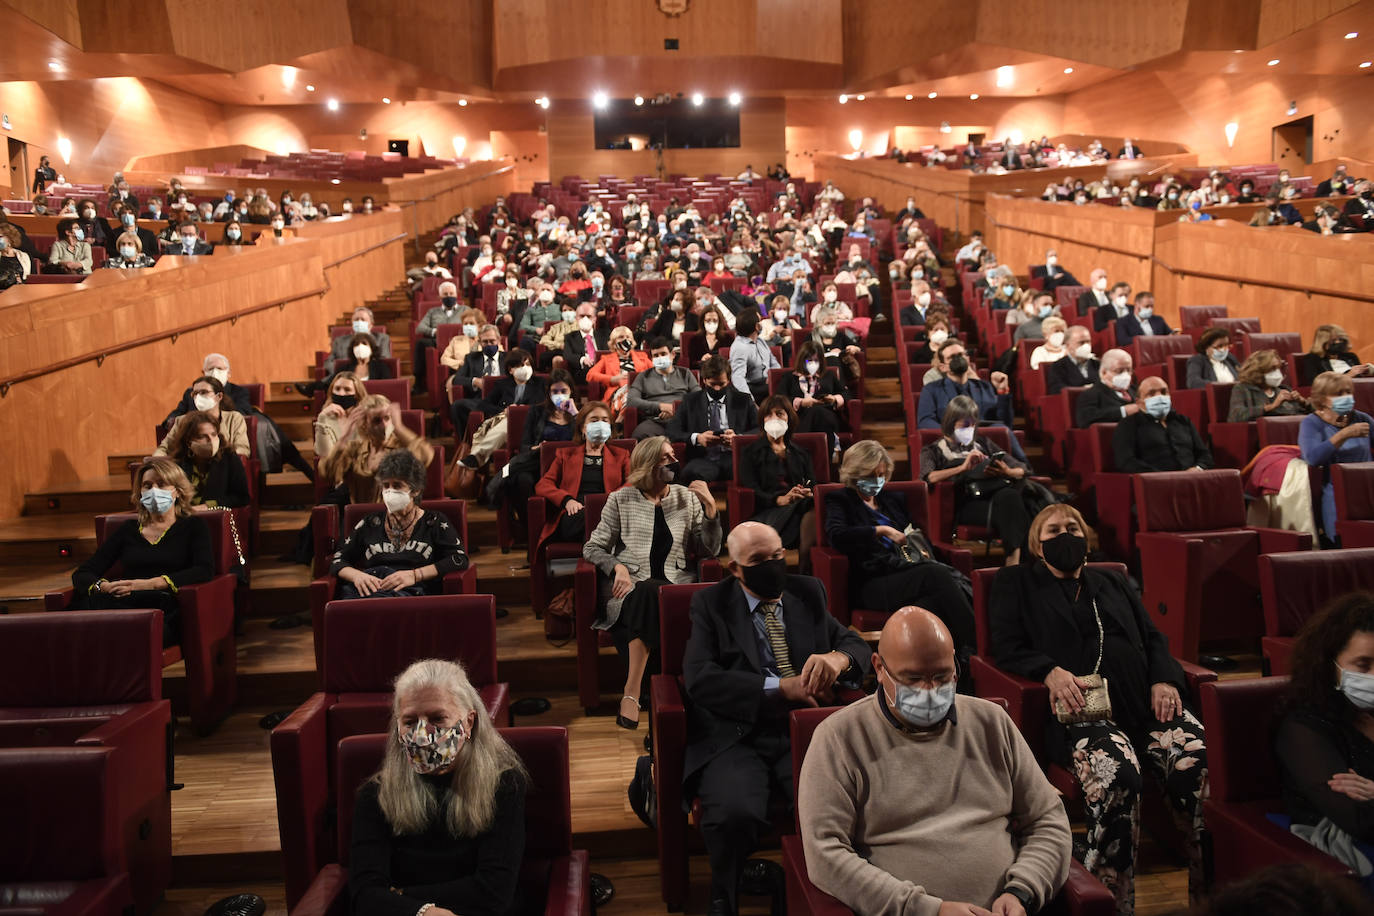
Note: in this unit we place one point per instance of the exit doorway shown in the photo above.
(1293, 144)
(18, 172)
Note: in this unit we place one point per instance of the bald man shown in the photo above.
(917, 801)
(763, 643)
(1155, 438)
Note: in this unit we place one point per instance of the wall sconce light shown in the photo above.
(1232, 128)
(459, 144)
(856, 139)
(64, 149)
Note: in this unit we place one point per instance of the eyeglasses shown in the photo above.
(928, 681)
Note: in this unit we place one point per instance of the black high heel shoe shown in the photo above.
(625, 722)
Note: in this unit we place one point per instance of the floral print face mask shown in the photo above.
(431, 748)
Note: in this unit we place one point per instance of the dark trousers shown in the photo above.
(735, 788)
(1004, 512)
(707, 469)
(649, 428)
(417, 361)
(931, 586)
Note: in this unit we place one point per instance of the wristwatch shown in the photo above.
(1024, 896)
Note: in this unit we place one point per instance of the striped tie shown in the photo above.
(777, 639)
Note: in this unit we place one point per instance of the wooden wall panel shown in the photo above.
(881, 37)
(250, 33)
(452, 39)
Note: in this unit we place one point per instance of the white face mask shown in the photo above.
(1274, 379)
(1084, 352)
(396, 500)
(1121, 381)
(923, 707)
(938, 337)
(522, 374)
(812, 366)
(775, 427)
(205, 402)
(923, 299)
(1057, 339)
(221, 375)
(1357, 687)
(710, 326)
(128, 252)
(362, 351)
(1101, 284)
(585, 324)
(964, 434)
(546, 296)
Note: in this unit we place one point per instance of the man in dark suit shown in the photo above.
(1155, 438)
(1052, 274)
(580, 347)
(1010, 158)
(1078, 367)
(1362, 204)
(188, 242)
(1142, 322)
(1095, 296)
(1111, 397)
(763, 643)
(485, 361)
(708, 419)
(517, 386)
(1284, 212)
(1118, 306)
(1129, 151)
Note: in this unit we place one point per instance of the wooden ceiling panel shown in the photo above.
(1280, 18)
(251, 33)
(451, 40)
(626, 77)
(1118, 35)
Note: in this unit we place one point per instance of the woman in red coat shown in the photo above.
(589, 467)
(614, 368)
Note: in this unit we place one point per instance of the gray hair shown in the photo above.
(208, 356)
(862, 458)
(400, 464)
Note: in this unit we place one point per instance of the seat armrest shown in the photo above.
(463, 582)
(1084, 895)
(210, 650)
(570, 879)
(668, 717)
(324, 532)
(61, 600)
(300, 771)
(1196, 675)
(92, 897)
(832, 568)
(1279, 540)
(327, 894)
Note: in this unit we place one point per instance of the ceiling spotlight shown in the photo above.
(931, 95)
(600, 99)
(332, 104)
(333, 181)
(860, 96)
(698, 98)
(309, 87)
(1365, 65)
(462, 103)
(736, 98)
(909, 96)
(54, 65)
(1005, 77)
(1068, 69)
(542, 102)
(1274, 62)
(973, 97)
(1349, 35)
(843, 98)
(639, 100)
(386, 101)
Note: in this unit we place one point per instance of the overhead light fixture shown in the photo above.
(542, 102)
(1350, 35)
(1232, 128)
(860, 96)
(931, 95)
(698, 98)
(54, 65)
(973, 97)
(459, 144)
(1273, 63)
(736, 98)
(1005, 77)
(288, 78)
(462, 103)
(856, 139)
(639, 100)
(332, 104)
(909, 96)
(1365, 65)
(386, 101)
(1068, 69)
(600, 99)
(64, 149)
(309, 87)
(843, 98)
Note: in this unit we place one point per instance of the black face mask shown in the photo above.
(765, 579)
(449, 301)
(958, 365)
(346, 401)
(1065, 552)
(715, 395)
(667, 473)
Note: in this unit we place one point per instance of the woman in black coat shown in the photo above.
(1214, 361)
(1057, 621)
(1330, 353)
(816, 394)
(869, 526)
(213, 467)
(781, 474)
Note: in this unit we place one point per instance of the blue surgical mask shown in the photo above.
(1145, 312)
(127, 219)
(1342, 404)
(79, 234)
(1007, 290)
(1159, 406)
(1045, 311)
(361, 326)
(924, 707)
(663, 363)
(598, 431)
(157, 500)
(1357, 687)
(870, 487)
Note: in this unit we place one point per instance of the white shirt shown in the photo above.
(1223, 373)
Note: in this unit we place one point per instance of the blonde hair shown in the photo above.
(405, 799)
(644, 461)
(862, 458)
(1328, 385)
(1044, 515)
(131, 237)
(1324, 333)
(1052, 324)
(359, 388)
(619, 332)
(171, 475)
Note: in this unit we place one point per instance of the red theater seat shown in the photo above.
(1197, 553)
(552, 869)
(367, 643)
(741, 502)
(1199, 317)
(1354, 486)
(1294, 586)
(1244, 774)
(106, 693)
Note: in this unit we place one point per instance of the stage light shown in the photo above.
(860, 96)
(1365, 65)
(542, 102)
(459, 144)
(1068, 70)
(309, 87)
(909, 96)
(332, 104)
(600, 99)
(856, 139)
(386, 101)
(736, 98)
(288, 78)
(1350, 35)
(64, 149)
(54, 65)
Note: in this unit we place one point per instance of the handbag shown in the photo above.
(559, 617)
(1097, 703)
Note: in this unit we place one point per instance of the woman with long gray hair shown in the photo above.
(440, 829)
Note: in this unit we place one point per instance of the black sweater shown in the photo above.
(223, 484)
(182, 554)
(432, 540)
(474, 876)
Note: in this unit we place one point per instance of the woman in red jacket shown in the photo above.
(590, 466)
(613, 369)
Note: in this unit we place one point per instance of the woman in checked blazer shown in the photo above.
(651, 532)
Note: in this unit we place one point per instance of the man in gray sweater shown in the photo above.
(915, 801)
(655, 395)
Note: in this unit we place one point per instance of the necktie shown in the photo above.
(777, 639)
(717, 419)
(491, 366)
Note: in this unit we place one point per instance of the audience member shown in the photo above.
(987, 480)
(817, 394)
(1039, 307)
(1114, 705)
(892, 561)
(517, 386)
(750, 358)
(1156, 437)
(762, 643)
(555, 419)
(580, 349)
(592, 466)
(1142, 321)
(1055, 332)
(207, 397)
(992, 397)
(1078, 367)
(1290, 889)
(71, 253)
(714, 335)
(345, 391)
(1330, 352)
(441, 826)
(781, 476)
(1334, 433)
(1213, 361)
(708, 419)
(648, 530)
(15, 263)
(215, 472)
(1260, 392)
(362, 359)
(362, 322)
(427, 331)
(403, 550)
(537, 314)
(486, 361)
(1111, 397)
(129, 253)
(937, 331)
(1094, 298)
(1051, 273)
(370, 431)
(614, 369)
(460, 345)
(165, 548)
(656, 395)
(914, 799)
(187, 241)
